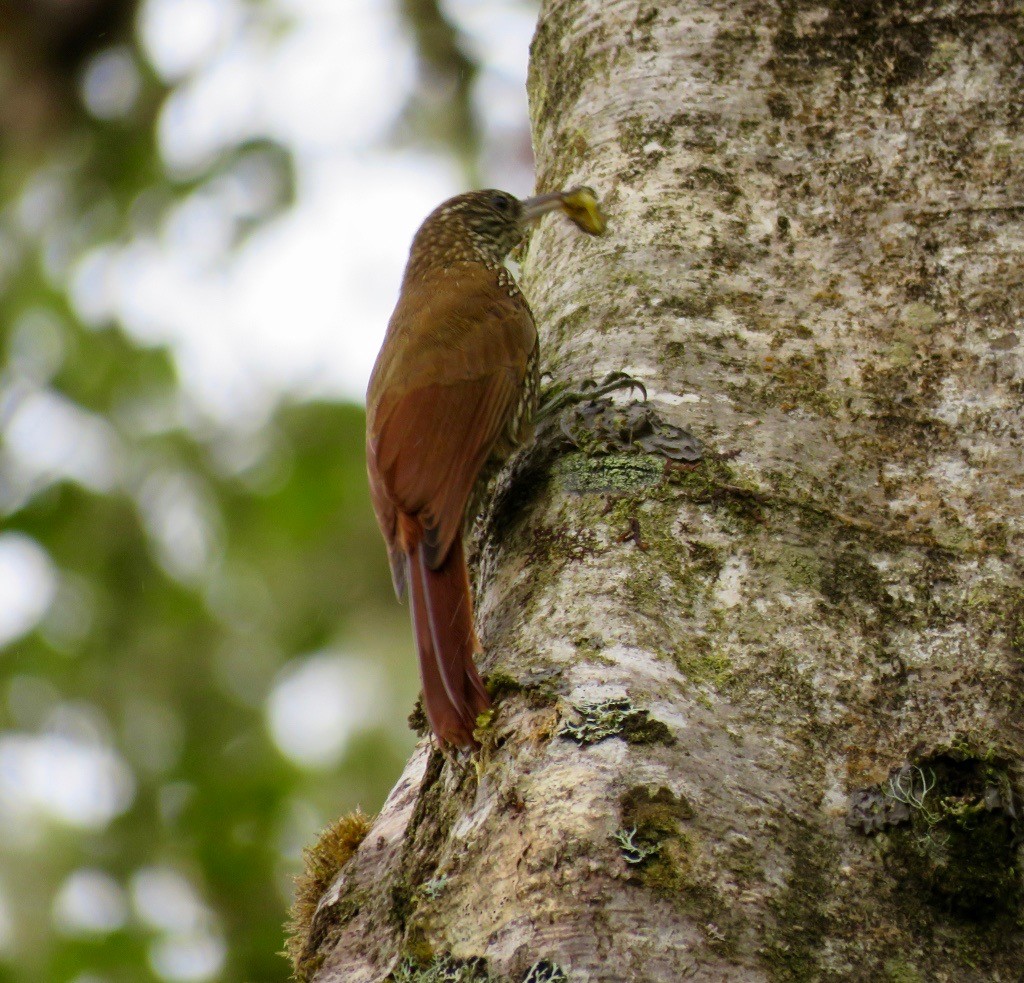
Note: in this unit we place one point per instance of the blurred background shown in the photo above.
(205, 207)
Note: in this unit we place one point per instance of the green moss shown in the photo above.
(582, 474)
(641, 728)
(558, 75)
(690, 306)
(801, 380)
(727, 192)
(857, 43)
(436, 810)
(402, 901)
(919, 369)
(705, 479)
(793, 943)
(918, 315)
(654, 812)
(417, 719)
(672, 872)
(798, 567)
(562, 330)
(778, 105)
(553, 546)
(848, 577)
(335, 846)
(743, 862)
(649, 522)
(703, 561)
(1015, 627)
(633, 134)
(537, 693)
(712, 481)
(666, 857)
(418, 951)
(647, 141)
(900, 971)
(547, 547)
(675, 871)
(501, 684)
(641, 37)
(758, 316)
(659, 848)
(673, 353)
(703, 665)
(441, 970)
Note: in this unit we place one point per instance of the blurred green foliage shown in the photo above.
(190, 576)
(178, 675)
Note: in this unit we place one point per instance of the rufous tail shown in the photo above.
(442, 614)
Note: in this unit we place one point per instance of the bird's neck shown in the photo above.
(441, 247)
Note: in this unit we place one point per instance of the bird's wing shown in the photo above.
(387, 519)
(449, 376)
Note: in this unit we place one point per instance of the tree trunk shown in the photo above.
(759, 715)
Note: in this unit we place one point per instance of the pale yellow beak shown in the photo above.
(579, 204)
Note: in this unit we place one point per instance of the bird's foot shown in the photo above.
(562, 395)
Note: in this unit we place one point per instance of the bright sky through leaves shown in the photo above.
(302, 306)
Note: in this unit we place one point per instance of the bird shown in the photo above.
(452, 394)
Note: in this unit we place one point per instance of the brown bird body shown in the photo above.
(454, 389)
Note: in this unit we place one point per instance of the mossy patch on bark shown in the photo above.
(802, 921)
(306, 938)
(582, 474)
(438, 805)
(617, 717)
(443, 969)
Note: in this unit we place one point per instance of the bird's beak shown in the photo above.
(580, 204)
(533, 208)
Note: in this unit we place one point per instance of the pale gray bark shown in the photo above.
(815, 265)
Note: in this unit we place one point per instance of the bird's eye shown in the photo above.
(502, 203)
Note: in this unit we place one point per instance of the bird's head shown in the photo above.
(489, 224)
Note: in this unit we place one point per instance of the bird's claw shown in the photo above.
(613, 382)
(561, 396)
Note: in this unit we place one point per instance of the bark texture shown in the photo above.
(759, 717)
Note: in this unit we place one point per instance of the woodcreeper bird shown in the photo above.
(452, 394)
